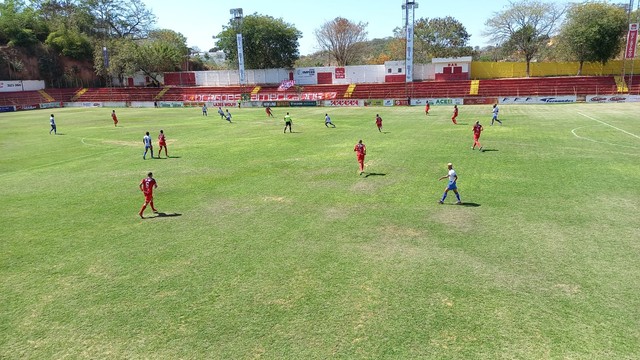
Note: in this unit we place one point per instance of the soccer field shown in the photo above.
(270, 245)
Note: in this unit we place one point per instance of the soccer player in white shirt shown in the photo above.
(147, 146)
(327, 121)
(495, 114)
(453, 178)
(52, 122)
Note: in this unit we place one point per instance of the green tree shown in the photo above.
(71, 43)
(121, 53)
(20, 25)
(527, 42)
(593, 32)
(121, 18)
(440, 37)
(343, 39)
(65, 15)
(525, 26)
(163, 51)
(267, 42)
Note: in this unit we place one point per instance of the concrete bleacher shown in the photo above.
(419, 89)
(119, 94)
(21, 98)
(549, 86)
(441, 89)
(571, 85)
(380, 91)
(633, 84)
(62, 95)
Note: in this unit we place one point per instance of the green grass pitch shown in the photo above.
(272, 246)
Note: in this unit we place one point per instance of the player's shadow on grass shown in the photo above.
(461, 123)
(485, 150)
(59, 134)
(167, 157)
(465, 204)
(374, 174)
(164, 215)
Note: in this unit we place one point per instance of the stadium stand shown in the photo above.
(548, 86)
(633, 84)
(21, 98)
(574, 85)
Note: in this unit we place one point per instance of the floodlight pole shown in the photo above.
(237, 20)
(409, 8)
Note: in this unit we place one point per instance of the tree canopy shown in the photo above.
(593, 32)
(525, 26)
(342, 39)
(438, 37)
(267, 42)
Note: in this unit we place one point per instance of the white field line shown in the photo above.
(82, 141)
(597, 141)
(604, 123)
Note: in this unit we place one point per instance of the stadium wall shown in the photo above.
(492, 70)
(336, 75)
(21, 85)
(232, 77)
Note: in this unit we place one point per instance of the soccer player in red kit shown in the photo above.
(455, 114)
(477, 129)
(379, 122)
(162, 142)
(146, 186)
(268, 110)
(114, 117)
(361, 151)
(427, 107)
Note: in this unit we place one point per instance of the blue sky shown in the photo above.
(199, 20)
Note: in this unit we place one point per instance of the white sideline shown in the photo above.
(604, 123)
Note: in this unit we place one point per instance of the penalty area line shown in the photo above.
(604, 123)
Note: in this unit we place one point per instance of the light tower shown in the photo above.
(409, 8)
(237, 22)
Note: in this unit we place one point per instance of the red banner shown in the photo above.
(340, 73)
(270, 96)
(632, 41)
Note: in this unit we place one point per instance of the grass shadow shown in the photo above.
(466, 204)
(485, 150)
(163, 215)
(375, 174)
